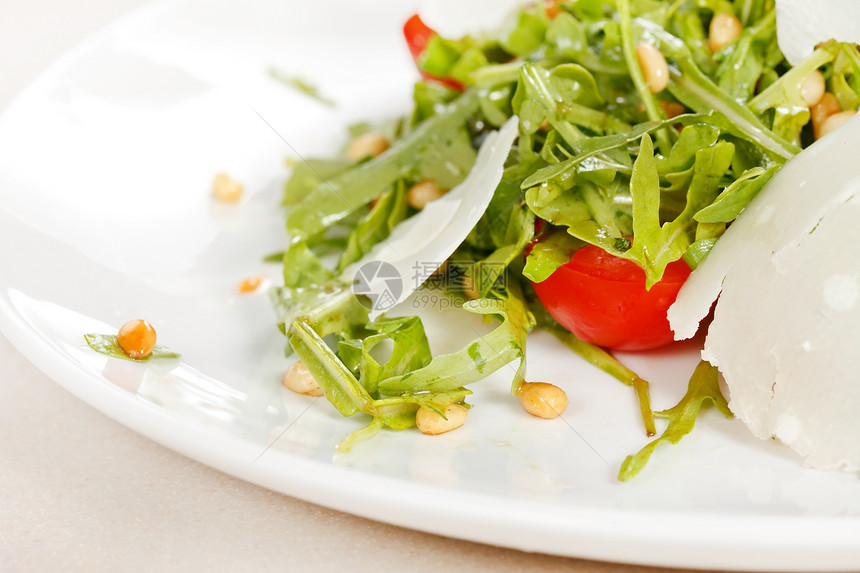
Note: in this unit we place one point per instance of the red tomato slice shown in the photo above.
(602, 299)
(417, 34)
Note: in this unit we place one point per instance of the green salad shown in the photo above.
(640, 130)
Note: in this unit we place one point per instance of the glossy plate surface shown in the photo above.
(106, 164)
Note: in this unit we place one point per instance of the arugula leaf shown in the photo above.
(656, 245)
(300, 85)
(690, 141)
(575, 210)
(449, 161)
(736, 196)
(698, 92)
(703, 386)
(107, 344)
(555, 249)
(686, 23)
(341, 387)
(330, 309)
(845, 77)
(334, 199)
(783, 96)
(440, 55)
(350, 396)
(302, 268)
(389, 210)
(740, 71)
(523, 32)
(567, 36)
(504, 344)
(427, 97)
(309, 174)
(561, 173)
(506, 229)
(410, 350)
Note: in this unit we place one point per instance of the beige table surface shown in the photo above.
(80, 492)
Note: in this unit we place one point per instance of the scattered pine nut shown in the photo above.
(250, 284)
(826, 106)
(136, 338)
(367, 145)
(420, 194)
(226, 189)
(542, 400)
(431, 423)
(300, 380)
(724, 30)
(672, 108)
(812, 88)
(653, 65)
(835, 120)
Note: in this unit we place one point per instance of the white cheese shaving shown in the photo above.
(801, 24)
(786, 328)
(432, 235)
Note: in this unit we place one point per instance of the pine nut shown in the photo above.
(250, 284)
(431, 423)
(654, 67)
(812, 88)
(300, 380)
(826, 106)
(422, 193)
(226, 189)
(542, 400)
(724, 30)
(672, 108)
(835, 120)
(136, 338)
(367, 145)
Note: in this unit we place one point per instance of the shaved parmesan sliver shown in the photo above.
(786, 328)
(801, 24)
(431, 236)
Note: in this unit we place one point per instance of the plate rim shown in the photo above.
(815, 542)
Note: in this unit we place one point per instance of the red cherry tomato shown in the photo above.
(552, 8)
(602, 299)
(417, 35)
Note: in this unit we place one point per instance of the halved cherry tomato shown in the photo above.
(602, 299)
(552, 8)
(417, 35)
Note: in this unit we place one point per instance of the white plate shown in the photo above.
(106, 164)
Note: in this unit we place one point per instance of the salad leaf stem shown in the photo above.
(703, 386)
(698, 92)
(643, 394)
(648, 100)
(603, 360)
(340, 386)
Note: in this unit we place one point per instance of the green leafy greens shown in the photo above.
(107, 344)
(703, 387)
(599, 160)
